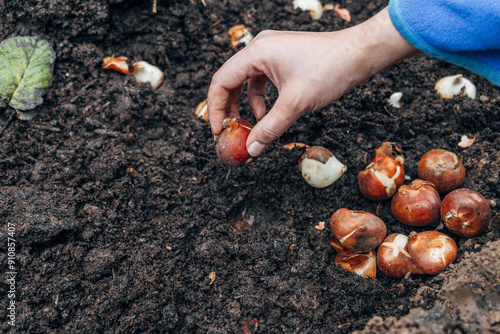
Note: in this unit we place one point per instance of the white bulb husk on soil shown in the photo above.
(145, 72)
(314, 6)
(452, 85)
(395, 99)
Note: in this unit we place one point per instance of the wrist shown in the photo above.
(381, 43)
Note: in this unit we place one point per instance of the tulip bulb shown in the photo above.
(383, 176)
(355, 231)
(231, 143)
(465, 212)
(393, 258)
(320, 168)
(443, 168)
(452, 85)
(432, 251)
(313, 6)
(416, 204)
(145, 72)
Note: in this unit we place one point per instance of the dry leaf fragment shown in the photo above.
(466, 141)
(320, 226)
(240, 34)
(343, 13)
(314, 7)
(212, 277)
(116, 63)
(291, 146)
(202, 110)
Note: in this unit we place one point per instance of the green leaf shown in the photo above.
(26, 68)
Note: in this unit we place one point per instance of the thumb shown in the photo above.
(271, 126)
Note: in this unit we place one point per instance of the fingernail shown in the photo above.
(256, 148)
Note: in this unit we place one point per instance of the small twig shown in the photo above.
(216, 24)
(154, 6)
(45, 127)
(81, 91)
(203, 2)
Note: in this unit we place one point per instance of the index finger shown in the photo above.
(226, 80)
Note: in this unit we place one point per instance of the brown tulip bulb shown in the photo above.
(432, 251)
(383, 176)
(356, 231)
(443, 168)
(416, 204)
(364, 264)
(465, 212)
(393, 258)
(231, 143)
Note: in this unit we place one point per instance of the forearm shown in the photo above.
(379, 45)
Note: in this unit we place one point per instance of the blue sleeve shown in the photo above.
(462, 32)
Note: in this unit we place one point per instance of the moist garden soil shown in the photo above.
(126, 221)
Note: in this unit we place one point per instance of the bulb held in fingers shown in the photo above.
(231, 143)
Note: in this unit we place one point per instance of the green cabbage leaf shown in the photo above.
(26, 70)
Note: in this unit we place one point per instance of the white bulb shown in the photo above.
(452, 85)
(320, 172)
(145, 72)
(314, 6)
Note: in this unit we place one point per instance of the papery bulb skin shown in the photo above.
(454, 85)
(356, 231)
(393, 258)
(416, 204)
(231, 143)
(432, 251)
(363, 264)
(380, 180)
(443, 168)
(465, 212)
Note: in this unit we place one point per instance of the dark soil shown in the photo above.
(123, 210)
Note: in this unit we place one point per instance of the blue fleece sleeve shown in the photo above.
(462, 32)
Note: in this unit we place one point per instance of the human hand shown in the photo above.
(310, 70)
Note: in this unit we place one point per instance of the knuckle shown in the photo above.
(215, 78)
(265, 33)
(270, 133)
